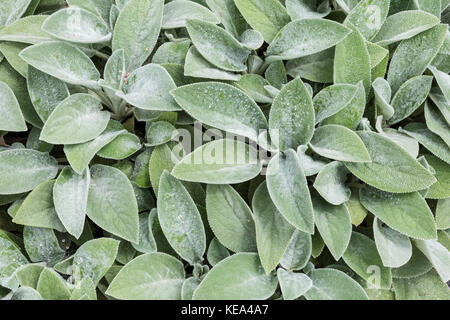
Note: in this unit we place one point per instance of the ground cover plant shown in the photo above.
(224, 149)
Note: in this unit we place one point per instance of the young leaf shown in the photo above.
(302, 9)
(395, 249)
(180, 219)
(222, 106)
(363, 258)
(288, 189)
(101, 8)
(332, 284)
(382, 91)
(273, 232)
(176, 13)
(298, 252)
(137, 30)
(407, 213)
(51, 286)
(77, 25)
(330, 183)
(216, 252)
(392, 169)
(12, 118)
(292, 116)
(230, 218)
(42, 245)
(305, 37)
(368, 16)
(239, 277)
(217, 46)
(443, 80)
(63, 61)
(112, 203)
(334, 225)
(77, 119)
(265, 16)
(293, 285)
(223, 161)
(70, 195)
(333, 99)
(148, 277)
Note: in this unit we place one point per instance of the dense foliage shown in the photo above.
(224, 149)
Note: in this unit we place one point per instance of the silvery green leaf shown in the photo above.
(148, 88)
(229, 15)
(254, 86)
(368, 16)
(112, 203)
(407, 213)
(196, 66)
(352, 61)
(339, 143)
(141, 171)
(347, 5)
(148, 277)
(222, 106)
(216, 252)
(436, 122)
(429, 140)
(230, 218)
(77, 25)
(176, 12)
(11, 259)
(188, 288)
(26, 30)
(330, 183)
(276, 74)
(443, 214)
(239, 277)
(12, 118)
(416, 266)
(350, 116)
(407, 143)
(11, 10)
(115, 70)
(22, 170)
(217, 46)
(147, 243)
(424, 287)
(63, 61)
(440, 189)
(252, 39)
(382, 91)
(395, 249)
(333, 99)
(334, 225)
(288, 189)
(413, 55)
(377, 55)
(46, 92)
(441, 103)
(94, 258)
(42, 245)
(160, 160)
(305, 37)
(77, 119)
(363, 258)
(293, 285)
(84, 290)
(265, 16)
(310, 165)
(332, 284)
(291, 119)
(409, 97)
(123, 146)
(298, 252)
(433, 7)
(160, 132)
(70, 194)
(302, 9)
(273, 232)
(404, 25)
(172, 52)
(26, 293)
(101, 8)
(443, 79)
(384, 171)
(11, 50)
(38, 210)
(51, 286)
(438, 255)
(316, 67)
(180, 219)
(80, 155)
(137, 30)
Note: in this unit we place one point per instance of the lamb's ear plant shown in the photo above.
(224, 149)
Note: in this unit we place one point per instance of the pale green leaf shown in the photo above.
(12, 118)
(330, 183)
(293, 285)
(176, 12)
